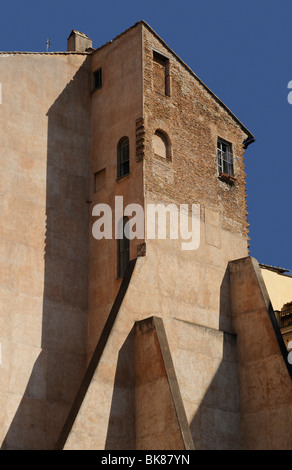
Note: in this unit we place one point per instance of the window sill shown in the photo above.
(162, 159)
(119, 178)
(227, 178)
(95, 89)
(162, 95)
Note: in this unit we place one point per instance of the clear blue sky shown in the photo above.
(242, 50)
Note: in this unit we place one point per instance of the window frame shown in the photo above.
(123, 248)
(166, 141)
(123, 162)
(165, 62)
(225, 166)
(98, 73)
(99, 180)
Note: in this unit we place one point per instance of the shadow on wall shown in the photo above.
(59, 369)
(121, 425)
(216, 424)
(209, 377)
(254, 366)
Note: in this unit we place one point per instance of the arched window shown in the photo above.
(161, 145)
(123, 246)
(123, 157)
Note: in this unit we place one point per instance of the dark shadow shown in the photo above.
(225, 318)
(58, 371)
(216, 424)
(94, 361)
(121, 425)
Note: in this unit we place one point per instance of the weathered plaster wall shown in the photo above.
(115, 108)
(193, 285)
(264, 373)
(45, 134)
(236, 388)
(198, 328)
(160, 418)
(205, 365)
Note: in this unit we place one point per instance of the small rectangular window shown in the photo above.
(225, 159)
(123, 246)
(161, 74)
(97, 79)
(99, 180)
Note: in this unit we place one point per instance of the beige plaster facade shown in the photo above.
(279, 287)
(77, 343)
(119, 101)
(45, 135)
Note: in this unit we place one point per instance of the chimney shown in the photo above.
(78, 42)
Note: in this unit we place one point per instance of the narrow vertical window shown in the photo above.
(123, 246)
(161, 74)
(99, 180)
(97, 79)
(123, 157)
(225, 158)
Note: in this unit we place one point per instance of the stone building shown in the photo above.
(130, 344)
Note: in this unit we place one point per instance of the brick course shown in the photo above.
(193, 121)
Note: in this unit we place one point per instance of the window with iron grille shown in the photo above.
(123, 157)
(225, 158)
(123, 246)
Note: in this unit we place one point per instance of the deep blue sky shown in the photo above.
(242, 50)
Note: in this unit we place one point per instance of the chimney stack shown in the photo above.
(78, 42)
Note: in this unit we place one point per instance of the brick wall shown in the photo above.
(193, 120)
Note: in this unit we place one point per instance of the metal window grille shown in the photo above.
(225, 158)
(123, 157)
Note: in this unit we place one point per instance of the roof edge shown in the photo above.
(250, 137)
(275, 269)
(75, 31)
(44, 53)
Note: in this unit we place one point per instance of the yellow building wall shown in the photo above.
(279, 287)
(45, 147)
